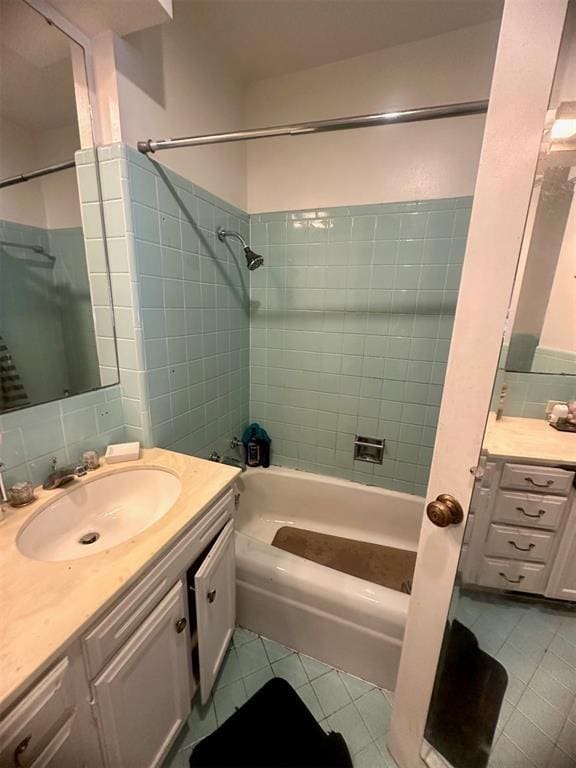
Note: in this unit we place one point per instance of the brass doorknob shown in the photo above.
(445, 511)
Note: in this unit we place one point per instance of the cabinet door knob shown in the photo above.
(446, 510)
(211, 595)
(181, 625)
(20, 749)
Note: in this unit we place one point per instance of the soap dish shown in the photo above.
(122, 452)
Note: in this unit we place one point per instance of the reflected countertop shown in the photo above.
(528, 440)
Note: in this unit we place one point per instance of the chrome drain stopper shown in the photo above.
(89, 538)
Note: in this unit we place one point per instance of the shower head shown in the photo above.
(253, 260)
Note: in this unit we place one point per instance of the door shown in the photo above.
(523, 74)
(143, 695)
(215, 586)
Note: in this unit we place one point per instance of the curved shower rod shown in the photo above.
(322, 126)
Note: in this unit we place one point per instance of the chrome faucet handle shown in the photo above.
(235, 443)
(215, 456)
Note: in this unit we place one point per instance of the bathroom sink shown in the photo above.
(100, 514)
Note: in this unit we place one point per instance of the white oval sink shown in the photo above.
(99, 514)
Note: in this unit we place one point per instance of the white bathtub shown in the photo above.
(342, 620)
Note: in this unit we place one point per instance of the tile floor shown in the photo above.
(536, 643)
(340, 702)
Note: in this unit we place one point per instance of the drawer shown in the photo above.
(518, 543)
(525, 477)
(512, 575)
(110, 634)
(36, 721)
(529, 509)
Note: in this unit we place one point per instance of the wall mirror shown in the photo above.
(48, 321)
(542, 323)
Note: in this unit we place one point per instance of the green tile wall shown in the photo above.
(351, 319)
(181, 305)
(63, 428)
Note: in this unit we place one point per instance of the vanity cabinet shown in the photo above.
(119, 694)
(143, 695)
(524, 530)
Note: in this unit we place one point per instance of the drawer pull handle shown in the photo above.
(512, 581)
(529, 548)
(211, 595)
(180, 625)
(547, 484)
(527, 514)
(20, 749)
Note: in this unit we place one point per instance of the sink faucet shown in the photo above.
(59, 477)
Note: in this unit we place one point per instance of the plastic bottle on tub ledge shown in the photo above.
(257, 445)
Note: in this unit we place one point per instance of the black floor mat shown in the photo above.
(274, 729)
(466, 701)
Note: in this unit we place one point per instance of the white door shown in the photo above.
(143, 695)
(523, 74)
(215, 586)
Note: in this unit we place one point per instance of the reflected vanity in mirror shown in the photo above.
(48, 338)
(509, 651)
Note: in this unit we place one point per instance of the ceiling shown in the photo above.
(267, 38)
(37, 89)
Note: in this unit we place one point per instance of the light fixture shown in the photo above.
(563, 128)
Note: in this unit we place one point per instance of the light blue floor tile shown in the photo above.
(517, 663)
(228, 699)
(369, 757)
(376, 712)
(552, 691)
(243, 636)
(308, 696)
(567, 739)
(542, 714)
(348, 722)
(560, 759)
(559, 670)
(230, 670)
(290, 668)
(531, 740)
(355, 686)
(505, 754)
(331, 692)
(314, 668)
(256, 680)
(564, 649)
(514, 689)
(275, 651)
(252, 657)
(201, 722)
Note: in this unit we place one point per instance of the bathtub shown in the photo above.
(344, 621)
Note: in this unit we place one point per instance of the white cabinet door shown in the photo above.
(143, 695)
(215, 585)
(562, 581)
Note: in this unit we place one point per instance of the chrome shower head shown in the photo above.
(253, 260)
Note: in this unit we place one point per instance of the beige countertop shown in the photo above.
(528, 439)
(46, 605)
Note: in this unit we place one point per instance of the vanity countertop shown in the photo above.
(46, 605)
(528, 439)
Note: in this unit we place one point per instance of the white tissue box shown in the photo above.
(122, 452)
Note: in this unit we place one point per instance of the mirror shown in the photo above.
(542, 319)
(48, 347)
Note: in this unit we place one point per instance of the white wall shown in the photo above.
(405, 162)
(172, 82)
(61, 197)
(22, 203)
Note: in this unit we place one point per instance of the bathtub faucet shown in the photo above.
(231, 461)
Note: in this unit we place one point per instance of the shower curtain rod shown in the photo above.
(35, 174)
(322, 126)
